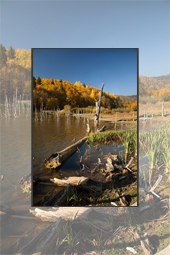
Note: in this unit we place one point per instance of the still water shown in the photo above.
(15, 156)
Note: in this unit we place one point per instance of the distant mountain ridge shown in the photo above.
(154, 88)
(15, 71)
(155, 82)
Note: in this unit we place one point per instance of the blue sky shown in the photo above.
(92, 24)
(116, 68)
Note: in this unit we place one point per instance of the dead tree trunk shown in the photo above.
(162, 109)
(98, 104)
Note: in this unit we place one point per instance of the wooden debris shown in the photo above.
(156, 183)
(41, 244)
(60, 198)
(58, 158)
(145, 243)
(74, 180)
(65, 213)
(25, 184)
(101, 129)
(83, 214)
(130, 161)
(83, 182)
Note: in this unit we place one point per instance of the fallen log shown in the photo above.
(60, 198)
(41, 244)
(68, 213)
(84, 182)
(75, 181)
(101, 129)
(58, 158)
(82, 214)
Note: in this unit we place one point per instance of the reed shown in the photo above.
(156, 146)
(166, 157)
(151, 154)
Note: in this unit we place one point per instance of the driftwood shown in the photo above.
(84, 182)
(71, 180)
(51, 215)
(83, 214)
(58, 158)
(101, 129)
(41, 244)
(59, 199)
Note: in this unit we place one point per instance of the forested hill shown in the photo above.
(155, 82)
(155, 87)
(52, 93)
(15, 69)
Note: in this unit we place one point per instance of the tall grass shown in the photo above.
(156, 146)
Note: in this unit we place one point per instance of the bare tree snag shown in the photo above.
(98, 104)
(162, 109)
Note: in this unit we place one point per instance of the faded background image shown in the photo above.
(112, 230)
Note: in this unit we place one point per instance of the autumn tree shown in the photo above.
(52, 103)
(164, 94)
(61, 85)
(142, 89)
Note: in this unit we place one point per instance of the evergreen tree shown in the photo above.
(33, 82)
(38, 80)
(11, 53)
(61, 85)
(3, 56)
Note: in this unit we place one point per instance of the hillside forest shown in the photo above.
(52, 94)
(15, 70)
